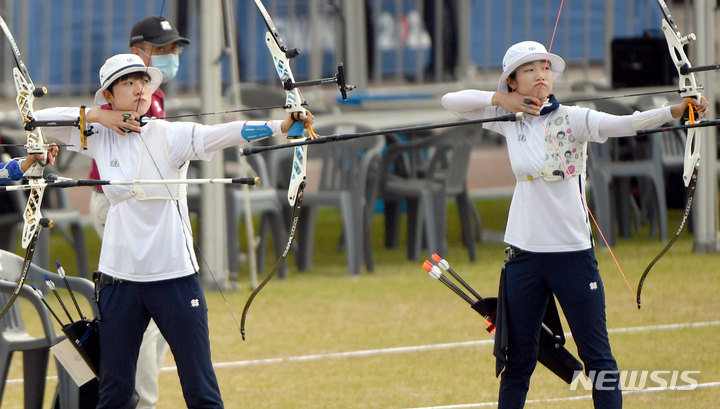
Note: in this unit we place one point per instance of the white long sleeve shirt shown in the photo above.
(547, 216)
(146, 240)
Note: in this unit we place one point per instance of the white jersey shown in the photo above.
(547, 216)
(146, 240)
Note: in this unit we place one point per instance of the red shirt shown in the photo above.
(157, 110)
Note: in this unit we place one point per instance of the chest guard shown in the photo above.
(573, 154)
(154, 163)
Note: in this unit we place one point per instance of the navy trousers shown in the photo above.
(179, 309)
(575, 280)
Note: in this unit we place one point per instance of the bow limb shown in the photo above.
(689, 88)
(297, 206)
(294, 102)
(295, 106)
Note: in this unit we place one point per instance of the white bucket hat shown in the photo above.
(121, 64)
(523, 53)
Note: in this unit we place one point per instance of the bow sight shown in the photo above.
(338, 79)
(288, 82)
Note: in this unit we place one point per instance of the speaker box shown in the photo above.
(641, 62)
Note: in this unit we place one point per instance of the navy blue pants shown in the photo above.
(179, 309)
(575, 280)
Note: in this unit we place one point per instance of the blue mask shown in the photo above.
(167, 64)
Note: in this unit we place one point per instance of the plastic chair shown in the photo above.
(56, 206)
(605, 167)
(453, 174)
(263, 201)
(65, 217)
(14, 337)
(423, 172)
(345, 182)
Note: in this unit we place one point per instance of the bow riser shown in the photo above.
(293, 97)
(688, 87)
(293, 104)
(32, 214)
(25, 100)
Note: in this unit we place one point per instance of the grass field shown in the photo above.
(394, 338)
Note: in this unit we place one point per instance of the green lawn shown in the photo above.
(323, 311)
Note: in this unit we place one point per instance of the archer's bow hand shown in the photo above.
(118, 121)
(517, 102)
(700, 107)
(48, 158)
(307, 118)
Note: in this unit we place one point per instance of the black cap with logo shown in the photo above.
(156, 30)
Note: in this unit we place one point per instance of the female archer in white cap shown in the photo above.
(147, 267)
(548, 229)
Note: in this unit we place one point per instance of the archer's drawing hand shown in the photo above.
(516, 102)
(119, 121)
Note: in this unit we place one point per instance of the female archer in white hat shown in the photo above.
(551, 246)
(147, 267)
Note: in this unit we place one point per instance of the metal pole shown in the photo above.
(212, 220)
(232, 53)
(463, 11)
(705, 214)
(356, 51)
(609, 33)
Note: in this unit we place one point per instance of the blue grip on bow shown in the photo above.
(296, 130)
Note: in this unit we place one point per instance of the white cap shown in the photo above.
(121, 64)
(523, 53)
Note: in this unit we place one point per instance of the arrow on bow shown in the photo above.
(56, 181)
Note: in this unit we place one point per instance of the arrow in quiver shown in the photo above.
(552, 353)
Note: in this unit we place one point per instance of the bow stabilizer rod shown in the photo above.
(344, 137)
(701, 124)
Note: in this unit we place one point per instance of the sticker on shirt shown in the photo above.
(114, 163)
(521, 137)
(593, 285)
(194, 302)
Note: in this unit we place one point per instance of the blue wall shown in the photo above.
(65, 34)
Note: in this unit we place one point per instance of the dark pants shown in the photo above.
(179, 309)
(575, 280)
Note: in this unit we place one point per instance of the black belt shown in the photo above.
(513, 251)
(102, 280)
